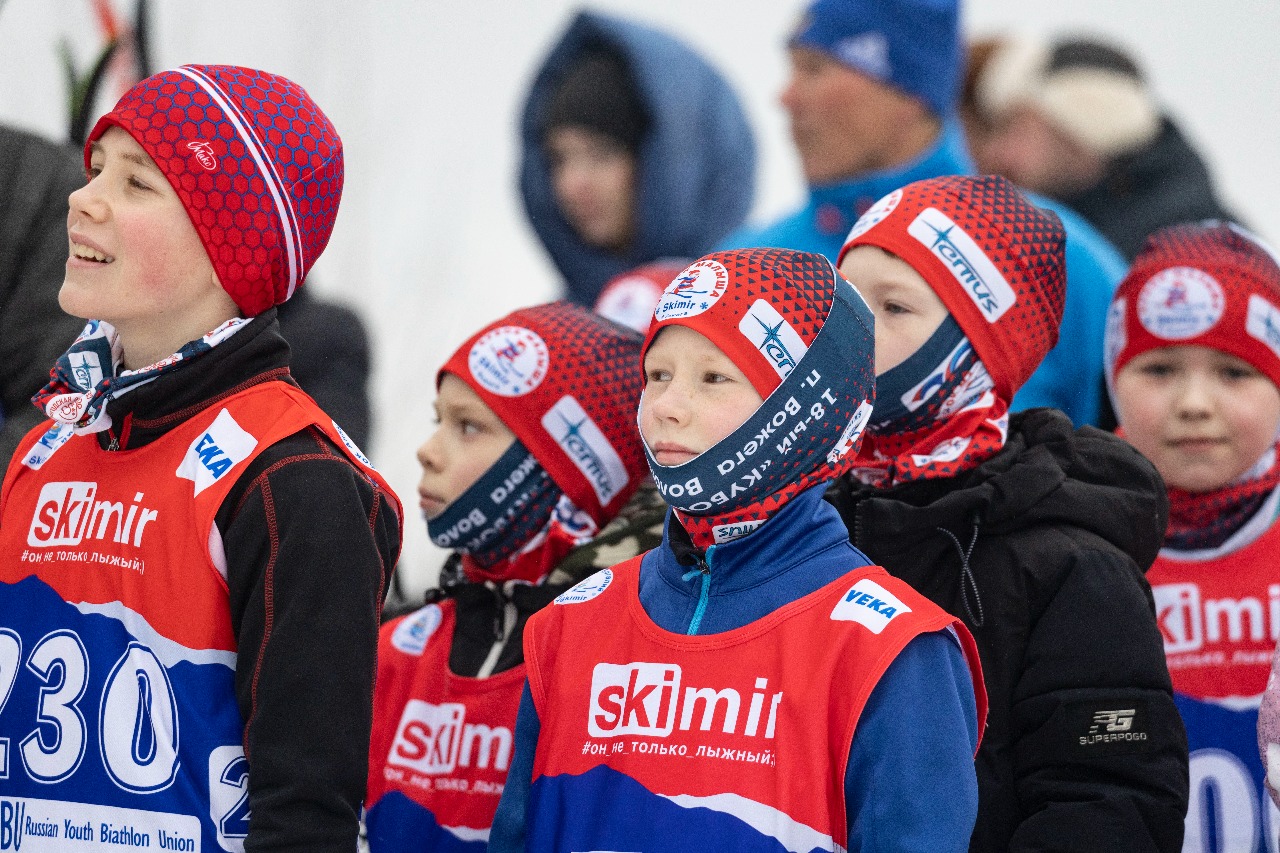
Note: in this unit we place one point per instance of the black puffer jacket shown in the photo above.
(1041, 551)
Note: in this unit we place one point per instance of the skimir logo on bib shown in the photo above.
(67, 513)
(645, 699)
(436, 739)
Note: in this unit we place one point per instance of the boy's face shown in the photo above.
(468, 440)
(593, 178)
(135, 258)
(1201, 416)
(694, 395)
(906, 309)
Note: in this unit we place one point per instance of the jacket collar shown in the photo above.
(806, 526)
(257, 353)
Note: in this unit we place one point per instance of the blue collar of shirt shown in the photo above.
(803, 529)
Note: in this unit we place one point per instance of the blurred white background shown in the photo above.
(431, 241)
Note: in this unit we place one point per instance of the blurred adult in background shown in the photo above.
(634, 149)
(872, 101)
(1075, 119)
(36, 176)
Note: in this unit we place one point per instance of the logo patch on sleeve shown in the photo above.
(869, 604)
(217, 450)
(1108, 726)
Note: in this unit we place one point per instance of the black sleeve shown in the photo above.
(35, 179)
(310, 542)
(1099, 747)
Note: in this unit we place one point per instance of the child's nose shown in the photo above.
(86, 200)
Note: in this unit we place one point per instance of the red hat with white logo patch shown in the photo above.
(995, 260)
(255, 162)
(1211, 284)
(566, 382)
(629, 298)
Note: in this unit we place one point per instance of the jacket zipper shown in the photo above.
(704, 594)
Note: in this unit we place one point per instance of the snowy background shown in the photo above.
(431, 241)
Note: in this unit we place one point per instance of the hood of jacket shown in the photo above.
(1049, 474)
(695, 176)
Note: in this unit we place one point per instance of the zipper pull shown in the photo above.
(114, 444)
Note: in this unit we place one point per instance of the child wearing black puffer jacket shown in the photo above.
(1036, 534)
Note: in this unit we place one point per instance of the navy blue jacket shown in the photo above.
(696, 172)
(910, 783)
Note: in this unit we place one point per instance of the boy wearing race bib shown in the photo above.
(1031, 531)
(192, 554)
(1193, 354)
(535, 479)
(752, 683)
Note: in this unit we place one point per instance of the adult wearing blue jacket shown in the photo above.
(634, 149)
(872, 102)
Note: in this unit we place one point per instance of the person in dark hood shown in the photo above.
(1075, 119)
(1035, 534)
(634, 149)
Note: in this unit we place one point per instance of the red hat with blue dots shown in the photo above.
(258, 168)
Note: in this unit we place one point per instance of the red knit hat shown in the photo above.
(995, 260)
(255, 162)
(1212, 285)
(567, 382)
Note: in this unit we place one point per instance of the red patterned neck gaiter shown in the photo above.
(1200, 520)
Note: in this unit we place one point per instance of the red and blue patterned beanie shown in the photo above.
(258, 168)
(805, 340)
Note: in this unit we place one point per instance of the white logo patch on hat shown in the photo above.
(978, 277)
(411, 635)
(777, 340)
(1263, 322)
(588, 449)
(693, 291)
(587, 589)
(869, 604)
(217, 450)
(867, 52)
(875, 214)
(509, 361)
(1180, 303)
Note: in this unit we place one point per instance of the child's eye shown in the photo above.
(137, 184)
(656, 375)
(896, 308)
(713, 378)
(1158, 370)
(1235, 374)
(467, 427)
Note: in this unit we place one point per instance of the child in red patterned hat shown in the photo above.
(193, 555)
(534, 478)
(1193, 357)
(752, 683)
(1035, 534)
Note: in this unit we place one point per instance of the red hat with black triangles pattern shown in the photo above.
(258, 168)
(995, 260)
(567, 382)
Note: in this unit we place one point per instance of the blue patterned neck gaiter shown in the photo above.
(923, 389)
(504, 509)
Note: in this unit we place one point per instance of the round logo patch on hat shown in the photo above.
(1180, 303)
(874, 215)
(693, 291)
(509, 361)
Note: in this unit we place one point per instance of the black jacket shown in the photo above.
(310, 542)
(1164, 183)
(1041, 551)
(36, 176)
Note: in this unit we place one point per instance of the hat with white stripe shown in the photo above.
(257, 166)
